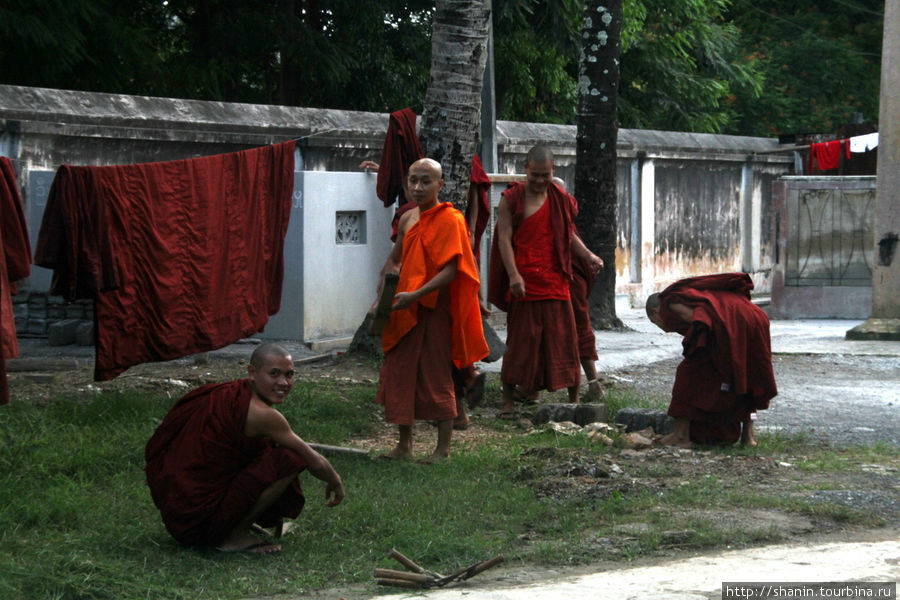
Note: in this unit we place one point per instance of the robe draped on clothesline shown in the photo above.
(180, 257)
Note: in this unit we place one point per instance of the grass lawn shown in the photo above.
(77, 521)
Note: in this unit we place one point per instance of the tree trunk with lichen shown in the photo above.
(595, 171)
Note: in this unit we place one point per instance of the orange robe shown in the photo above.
(440, 330)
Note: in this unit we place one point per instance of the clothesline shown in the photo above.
(867, 141)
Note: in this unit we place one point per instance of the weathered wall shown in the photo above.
(688, 203)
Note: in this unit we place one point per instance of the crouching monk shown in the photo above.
(224, 462)
(726, 374)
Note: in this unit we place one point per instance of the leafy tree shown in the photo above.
(681, 63)
(536, 59)
(821, 62)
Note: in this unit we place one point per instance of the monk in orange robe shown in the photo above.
(726, 375)
(531, 267)
(224, 461)
(435, 322)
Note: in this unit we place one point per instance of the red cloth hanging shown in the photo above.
(827, 155)
(15, 263)
(401, 149)
(181, 257)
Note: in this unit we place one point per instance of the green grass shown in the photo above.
(77, 521)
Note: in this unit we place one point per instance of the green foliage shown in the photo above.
(755, 67)
(821, 63)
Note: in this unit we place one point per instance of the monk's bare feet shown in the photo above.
(747, 436)
(248, 543)
(672, 440)
(397, 453)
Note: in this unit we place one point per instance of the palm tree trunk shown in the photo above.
(451, 121)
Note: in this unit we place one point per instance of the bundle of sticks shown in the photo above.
(419, 578)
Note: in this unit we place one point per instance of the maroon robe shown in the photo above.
(480, 185)
(727, 371)
(205, 474)
(401, 148)
(180, 257)
(15, 263)
(580, 290)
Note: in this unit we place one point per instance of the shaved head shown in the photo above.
(267, 350)
(652, 303)
(539, 154)
(428, 164)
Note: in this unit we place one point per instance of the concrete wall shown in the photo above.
(687, 203)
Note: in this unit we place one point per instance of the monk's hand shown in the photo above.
(596, 263)
(517, 286)
(403, 300)
(334, 493)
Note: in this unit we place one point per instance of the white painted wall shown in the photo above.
(328, 287)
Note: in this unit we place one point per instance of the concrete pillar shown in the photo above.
(885, 320)
(648, 225)
(751, 217)
(634, 242)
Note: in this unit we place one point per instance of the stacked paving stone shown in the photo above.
(38, 314)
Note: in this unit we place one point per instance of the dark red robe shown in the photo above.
(580, 290)
(205, 474)
(727, 371)
(15, 264)
(401, 148)
(180, 257)
(480, 185)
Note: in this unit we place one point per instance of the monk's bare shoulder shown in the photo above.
(408, 219)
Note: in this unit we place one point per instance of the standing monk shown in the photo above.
(726, 374)
(531, 267)
(224, 462)
(435, 322)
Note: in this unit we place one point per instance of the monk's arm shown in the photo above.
(507, 254)
(268, 422)
(391, 265)
(444, 277)
(581, 250)
(682, 311)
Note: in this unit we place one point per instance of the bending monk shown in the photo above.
(224, 462)
(435, 322)
(531, 267)
(726, 375)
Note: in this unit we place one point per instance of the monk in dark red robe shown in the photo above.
(436, 322)
(15, 264)
(726, 375)
(530, 271)
(224, 462)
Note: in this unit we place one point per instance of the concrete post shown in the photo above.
(648, 225)
(885, 320)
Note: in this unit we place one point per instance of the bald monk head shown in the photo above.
(652, 308)
(424, 181)
(538, 170)
(271, 373)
